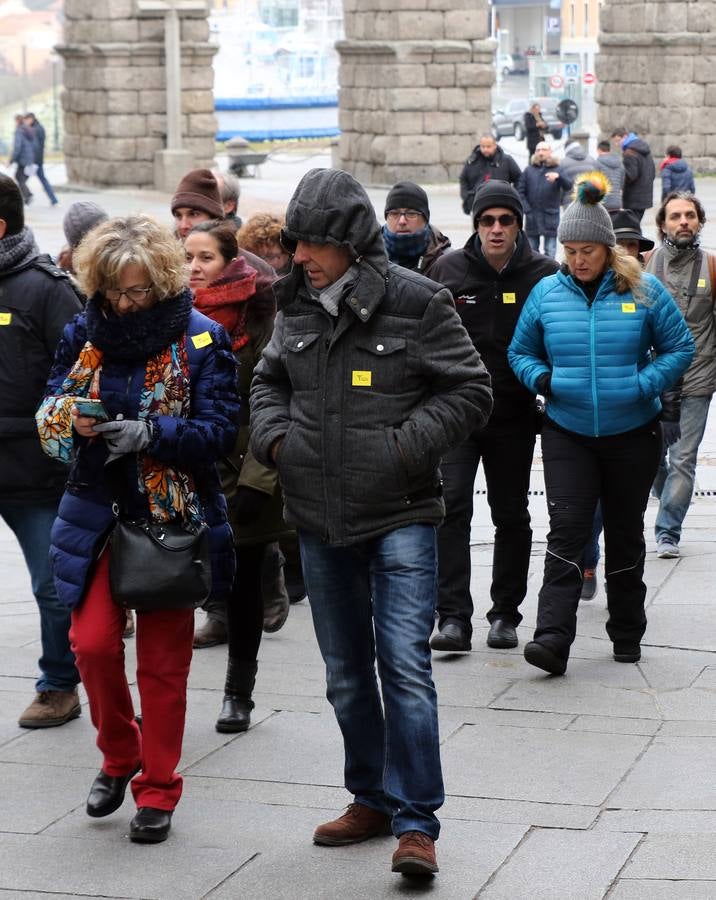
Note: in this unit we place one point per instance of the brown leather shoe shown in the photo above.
(212, 633)
(358, 823)
(415, 854)
(51, 708)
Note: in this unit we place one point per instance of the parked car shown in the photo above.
(510, 120)
(512, 64)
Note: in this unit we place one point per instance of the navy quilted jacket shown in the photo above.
(604, 378)
(194, 444)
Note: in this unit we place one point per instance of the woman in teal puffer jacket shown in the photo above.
(601, 341)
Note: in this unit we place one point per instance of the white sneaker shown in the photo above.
(667, 550)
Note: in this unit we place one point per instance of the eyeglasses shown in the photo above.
(504, 220)
(134, 294)
(394, 214)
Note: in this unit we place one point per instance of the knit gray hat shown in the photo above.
(80, 218)
(586, 219)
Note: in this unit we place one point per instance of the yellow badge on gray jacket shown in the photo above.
(5, 318)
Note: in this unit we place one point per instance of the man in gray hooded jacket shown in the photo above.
(368, 379)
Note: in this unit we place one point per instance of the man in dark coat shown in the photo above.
(38, 137)
(410, 240)
(23, 156)
(36, 302)
(541, 187)
(490, 279)
(487, 162)
(369, 378)
(639, 171)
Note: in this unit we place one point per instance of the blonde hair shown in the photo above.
(260, 232)
(140, 240)
(627, 272)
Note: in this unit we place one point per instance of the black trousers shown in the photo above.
(578, 471)
(245, 609)
(505, 450)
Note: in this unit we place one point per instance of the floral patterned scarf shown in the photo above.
(170, 492)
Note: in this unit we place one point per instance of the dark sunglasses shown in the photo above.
(504, 220)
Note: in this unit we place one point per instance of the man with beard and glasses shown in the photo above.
(689, 274)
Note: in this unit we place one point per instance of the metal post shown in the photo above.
(55, 110)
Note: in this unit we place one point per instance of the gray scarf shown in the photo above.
(16, 249)
(330, 296)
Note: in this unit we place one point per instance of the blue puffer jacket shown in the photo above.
(603, 377)
(194, 444)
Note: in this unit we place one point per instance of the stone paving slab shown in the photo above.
(651, 889)
(689, 856)
(674, 773)
(552, 766)
(655, 821)
(562, 864)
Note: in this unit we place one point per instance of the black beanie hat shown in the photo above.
(496, 193)
(408, 195)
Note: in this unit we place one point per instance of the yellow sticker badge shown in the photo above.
(628, 307)
(362, 379)
(5, 318)
(701, 283)
(201, 340)
(509, 298)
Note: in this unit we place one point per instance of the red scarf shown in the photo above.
(224, 299)
(668, 161)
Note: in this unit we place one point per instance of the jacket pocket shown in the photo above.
(378, 364)
(302, 359)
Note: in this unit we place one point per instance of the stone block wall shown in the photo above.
(655, 75)
(415, 87)
(114, 96)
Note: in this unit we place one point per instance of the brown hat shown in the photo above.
(198, 189)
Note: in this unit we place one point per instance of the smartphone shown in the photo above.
(92, 408)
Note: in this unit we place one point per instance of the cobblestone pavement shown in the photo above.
(599, 784)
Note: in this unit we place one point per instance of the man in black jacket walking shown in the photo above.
(36, 302)
(369, 378)
(490, 279)
(487, 162)
(639, 171)
(38, 138)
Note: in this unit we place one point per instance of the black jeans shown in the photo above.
(505, 450)
(578, 471)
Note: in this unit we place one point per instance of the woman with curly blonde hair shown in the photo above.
(166, 379)
(261, 234)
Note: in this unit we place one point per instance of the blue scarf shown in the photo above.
(406, 249)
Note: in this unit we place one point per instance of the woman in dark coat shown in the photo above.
(167, 379)
(535, 128)
(224, 287)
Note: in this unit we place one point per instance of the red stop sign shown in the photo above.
(589, 78)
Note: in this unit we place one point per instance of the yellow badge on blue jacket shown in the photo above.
(361, 379)
(201, 340)
(628, 307)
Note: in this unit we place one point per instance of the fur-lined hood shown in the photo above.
(550, 163)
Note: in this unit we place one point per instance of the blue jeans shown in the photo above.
(31, 523)
(676, 489)
(46, 184)
(374, 600)
(550, 244)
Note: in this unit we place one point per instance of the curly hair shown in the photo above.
(260, 232)
(660, 217)
(118, 242)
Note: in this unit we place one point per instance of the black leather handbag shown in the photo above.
(159, 565)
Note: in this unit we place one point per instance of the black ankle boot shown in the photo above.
(236, 709)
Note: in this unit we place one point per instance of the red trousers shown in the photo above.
(164, 648)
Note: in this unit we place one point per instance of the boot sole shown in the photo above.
(148, 838)
(413, 865)
(447, 646)
(50, 723)
(627, 657)
(543, 658)
(343, 842)
(502, 644)
(231, 729)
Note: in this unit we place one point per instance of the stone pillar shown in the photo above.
(655, 75)
(415, 88)
(114, 97)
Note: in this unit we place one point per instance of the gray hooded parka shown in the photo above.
(367, 402)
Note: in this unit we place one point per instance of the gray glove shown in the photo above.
(124, 436)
